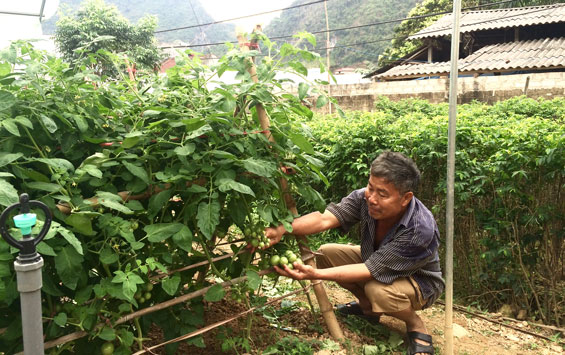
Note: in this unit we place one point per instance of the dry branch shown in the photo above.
(464, 310)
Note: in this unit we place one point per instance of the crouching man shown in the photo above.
(396, 269)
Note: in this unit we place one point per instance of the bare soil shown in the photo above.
(472, 335)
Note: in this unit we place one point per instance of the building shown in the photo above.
(493, 42)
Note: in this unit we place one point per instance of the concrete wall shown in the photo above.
(483, 88)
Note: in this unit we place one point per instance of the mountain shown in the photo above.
(170, 14)
(342, 14)
(352, 47)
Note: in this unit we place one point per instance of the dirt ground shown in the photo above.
(472, 335)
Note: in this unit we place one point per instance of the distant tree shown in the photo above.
(97, 26)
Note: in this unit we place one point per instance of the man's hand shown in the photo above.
(300, 272)
(274, 235)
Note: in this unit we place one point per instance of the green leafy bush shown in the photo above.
(509, 183)
(143, 178)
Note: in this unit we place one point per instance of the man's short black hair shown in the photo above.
(398, 170)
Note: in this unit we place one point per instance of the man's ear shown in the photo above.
(407, 198)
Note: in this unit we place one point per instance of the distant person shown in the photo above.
(396, 269)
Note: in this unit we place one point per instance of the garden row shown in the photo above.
(144, 178)
(509, 187)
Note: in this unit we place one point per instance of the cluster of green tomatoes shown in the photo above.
(287, 258)
(255, 236)
(143, 293)
(278, 255)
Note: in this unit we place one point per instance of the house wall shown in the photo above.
(483, 88)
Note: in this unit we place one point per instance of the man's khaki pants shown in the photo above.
(401, 294)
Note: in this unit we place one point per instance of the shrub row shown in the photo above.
(509, 187)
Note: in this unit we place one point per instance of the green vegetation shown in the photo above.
(96, 27)
(143, 178)
(509, 183)
(168, 14)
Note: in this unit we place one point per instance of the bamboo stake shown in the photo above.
(163, 305)
(220, 323)
(321, 295)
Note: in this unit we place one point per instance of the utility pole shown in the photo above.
(328, 54)
(451, 179)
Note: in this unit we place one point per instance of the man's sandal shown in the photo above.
(416, 348)
(354, 309)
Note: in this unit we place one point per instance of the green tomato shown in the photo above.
(255, 243)
(137, 295)
(149, 286)
(288, 253)
(247, 231)
(284, 260)
(292, 258)
(261, 245)
(253, 235)
(107, 348)
(147, 296)
(134, 225)
(141, 300)
(290, 266)
(275, 260)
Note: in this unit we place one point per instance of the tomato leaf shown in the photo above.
(171, 284)
(183, 239)
(60, 319)
(68, 262)
(229, 184)
(8, 194)
(208, 217)
(253, 279)
(215, 293)
(159, 232)
(107, 333)
(7, 100)
(137, 171)
(259, 167)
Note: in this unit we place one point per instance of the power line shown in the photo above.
(239, 18)
(359, 26)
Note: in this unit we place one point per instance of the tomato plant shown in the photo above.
(143, 178)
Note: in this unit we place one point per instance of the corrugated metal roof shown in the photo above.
(472, 21)
(521, 55)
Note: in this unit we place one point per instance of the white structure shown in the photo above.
(21, 20)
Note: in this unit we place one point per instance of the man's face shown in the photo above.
(384, 200)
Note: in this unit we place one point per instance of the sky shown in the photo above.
(227, 9)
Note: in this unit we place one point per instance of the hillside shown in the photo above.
(343, 14)
(311, 18)
(186, 13)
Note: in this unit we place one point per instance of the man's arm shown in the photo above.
(341, 274)
(311, 223)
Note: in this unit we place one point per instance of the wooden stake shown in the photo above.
(323, 301)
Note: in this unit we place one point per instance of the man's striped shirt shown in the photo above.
(410, 247)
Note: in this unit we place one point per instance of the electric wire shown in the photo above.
(360, 26)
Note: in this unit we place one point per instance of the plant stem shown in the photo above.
(139, 338)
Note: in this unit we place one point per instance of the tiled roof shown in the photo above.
(472, 21)
(521, 55)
